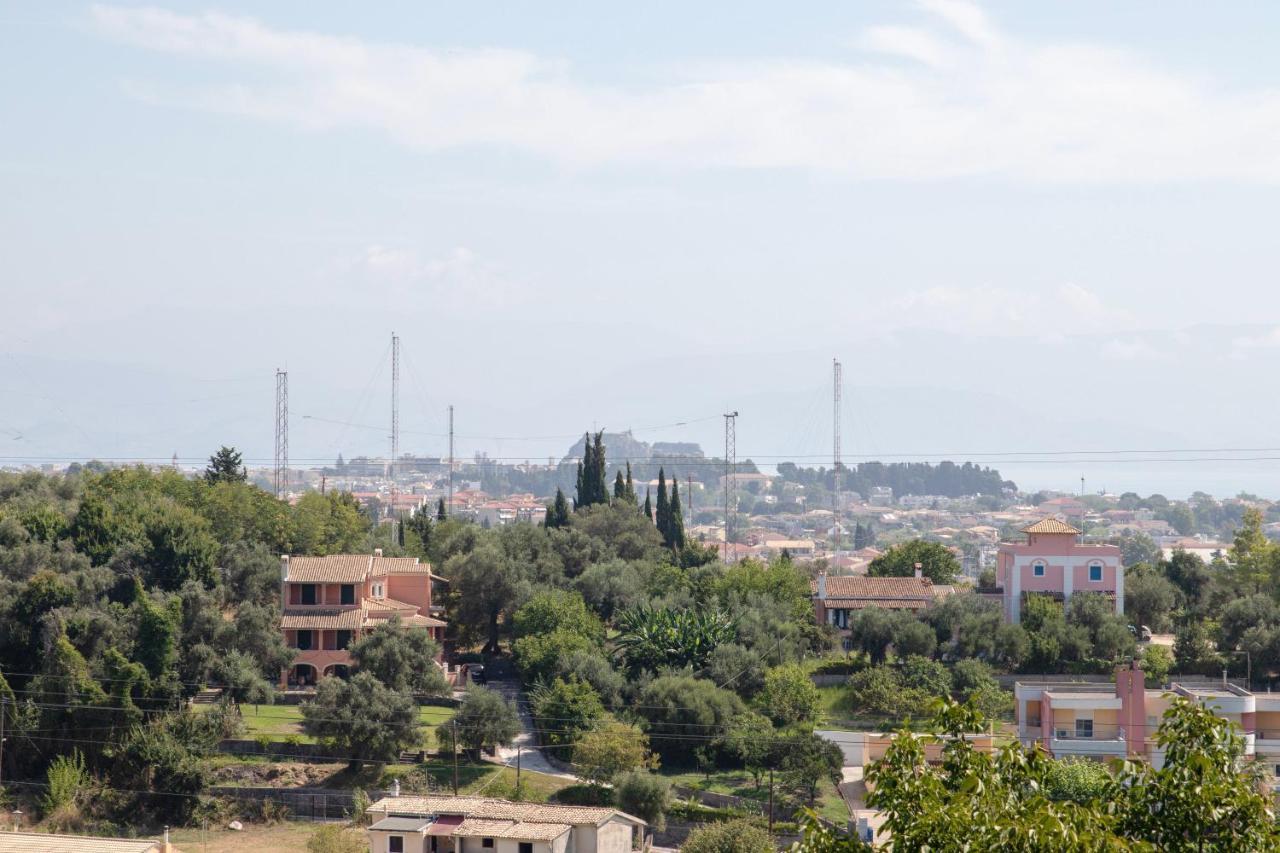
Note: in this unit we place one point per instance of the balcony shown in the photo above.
(1107, 741)
(1267, 740)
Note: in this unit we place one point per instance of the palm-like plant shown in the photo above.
(660, 637)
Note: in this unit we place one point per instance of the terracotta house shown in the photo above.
(328, 602)
(1053, 562)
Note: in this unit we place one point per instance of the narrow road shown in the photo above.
(526, 743)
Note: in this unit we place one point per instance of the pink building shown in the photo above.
(328, 602)
(1053, 562)
(1104, 721)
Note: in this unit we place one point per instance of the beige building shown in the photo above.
(443, 824)
(41, 842)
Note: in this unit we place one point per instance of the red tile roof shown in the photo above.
(860, 587)
(1050, 525)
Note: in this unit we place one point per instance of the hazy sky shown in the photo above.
(1023, 228)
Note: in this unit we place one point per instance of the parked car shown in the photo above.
(476, 671)
(1142, 632)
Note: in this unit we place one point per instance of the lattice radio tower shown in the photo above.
(395, 419)
(837, 378)
(730, 471)
(449, 507)
(281, 479)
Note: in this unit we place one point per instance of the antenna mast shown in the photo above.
(281, 480)
(730, 471)
(395, 417)
(837, 379)
(449, 507)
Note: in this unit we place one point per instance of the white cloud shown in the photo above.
(1000, 312)
(459, 279)
(1133, 349)
(1243, 345)
(974, 100)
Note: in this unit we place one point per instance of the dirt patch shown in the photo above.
(278, 775)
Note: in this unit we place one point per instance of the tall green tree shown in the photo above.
(558, 512)
(675, 519)
(630, 486)
(402, 658)
(441, 512)
(937, 562)
(226, 466)
(662, 511)
(484, 721)
(648, 505)
(619, 487)
(368, 720)
(591, 485)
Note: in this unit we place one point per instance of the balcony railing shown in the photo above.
(1104, 732)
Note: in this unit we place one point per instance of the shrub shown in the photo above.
(731, 836)
(335, 839)
(644, 795)
(66, 777)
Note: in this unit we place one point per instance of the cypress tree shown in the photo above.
(675, 518)
(441, 512)
(663, 509)
(648, 505)
(619, 487)
(558, 512)
(592, 486)
(631, 487)
(599, 485)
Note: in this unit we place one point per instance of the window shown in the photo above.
(395, 844)
(1084, 728)
(377, 593)
(1038, 570)
(304, 640)
(308, 593)
(1095, 572)
(526, 847)
(343, 639)
(487, 842)
(348, 594)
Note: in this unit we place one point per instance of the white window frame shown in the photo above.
(1038, 569)
(399, 838)
(1080, 731)
(1097, 566)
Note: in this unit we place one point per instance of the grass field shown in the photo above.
(289, 837)
(740, 784)
(280, 722)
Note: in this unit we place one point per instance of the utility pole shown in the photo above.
(2, 703)
(281, 481)
(771, 800)
(688, 496)
(455, 758)
(730, 470)
(395, 417)
(448, 509)
(837, 380)
(518, 751)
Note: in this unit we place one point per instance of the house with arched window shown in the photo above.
(1054, 562)
(329, 602)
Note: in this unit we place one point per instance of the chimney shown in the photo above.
(822, 584)
(919, 570)
(377, 552)
(284, 567)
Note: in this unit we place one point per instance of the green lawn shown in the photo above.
(740, 784)
(280, 722)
